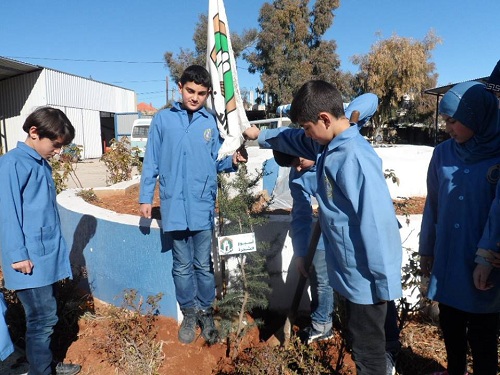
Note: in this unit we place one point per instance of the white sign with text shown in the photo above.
(237, 244)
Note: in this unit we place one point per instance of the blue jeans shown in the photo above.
(322, 294)
(40, 307)
(192, 270)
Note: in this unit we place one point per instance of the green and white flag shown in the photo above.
(226, 100)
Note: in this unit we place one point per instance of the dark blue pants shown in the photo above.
(480, 331)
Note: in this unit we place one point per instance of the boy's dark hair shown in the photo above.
(282, 159)
(50, 123)
(314, 97)
(197, 74)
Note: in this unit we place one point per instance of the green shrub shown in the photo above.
(120, 160)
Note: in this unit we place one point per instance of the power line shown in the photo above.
(84, 60)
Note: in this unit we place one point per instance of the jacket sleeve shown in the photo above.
(366, 104)
(429, 218)
(11, 215)
(226, 165)
(289, 141)
(491, 234)
(150, 166)
(300, 226)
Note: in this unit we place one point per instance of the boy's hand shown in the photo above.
(489, 255)
(494, 258)
(480, 276)
(240, 155)
(251, 133)
(24, 266)
(145, 210)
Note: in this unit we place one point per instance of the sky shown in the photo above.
(123, 42)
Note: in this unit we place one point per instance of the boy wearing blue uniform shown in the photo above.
(460, 223)
(182, 151)
(34, 253)
(358, 222)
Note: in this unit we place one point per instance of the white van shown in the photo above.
(139, 135)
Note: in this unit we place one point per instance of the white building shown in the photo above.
(89, 105)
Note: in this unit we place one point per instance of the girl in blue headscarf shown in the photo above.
(458, 215)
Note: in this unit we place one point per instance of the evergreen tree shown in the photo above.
(290, 49)
(246, 288)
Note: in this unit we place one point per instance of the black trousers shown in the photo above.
(480, 331)
(365, 324)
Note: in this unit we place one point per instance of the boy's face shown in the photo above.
(46, 147)
(320, 131)
(194, 96)
(458, 131)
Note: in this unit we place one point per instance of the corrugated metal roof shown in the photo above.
(11, 68)
(440, 91)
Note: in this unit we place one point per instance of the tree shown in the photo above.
(290, 49)
(177, 63)
(396, 67)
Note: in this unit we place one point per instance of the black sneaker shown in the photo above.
(309, 335)
(67, 369)
(207, 325)
(187, 331)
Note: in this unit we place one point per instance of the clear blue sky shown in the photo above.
(139, 32)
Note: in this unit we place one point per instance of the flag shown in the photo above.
(226, 99)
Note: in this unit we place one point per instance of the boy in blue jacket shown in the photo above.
(34, 253)
(183, 144)
(358, 222)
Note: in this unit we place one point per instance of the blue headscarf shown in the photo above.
(476, 108)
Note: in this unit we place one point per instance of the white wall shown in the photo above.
(80, 98)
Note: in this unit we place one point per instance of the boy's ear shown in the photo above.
(179, 85)
(325, 118)
(33, 132)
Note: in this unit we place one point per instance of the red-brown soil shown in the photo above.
(128, 203)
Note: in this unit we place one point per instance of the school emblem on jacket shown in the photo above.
(494, 174)
(208, 134)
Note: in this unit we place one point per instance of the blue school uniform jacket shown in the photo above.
(358, 222)
(183, 156)
(29, 220)
(456, 214)
(302, 187)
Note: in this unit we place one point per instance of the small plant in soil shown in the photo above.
(131, 344)
(88, 195)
